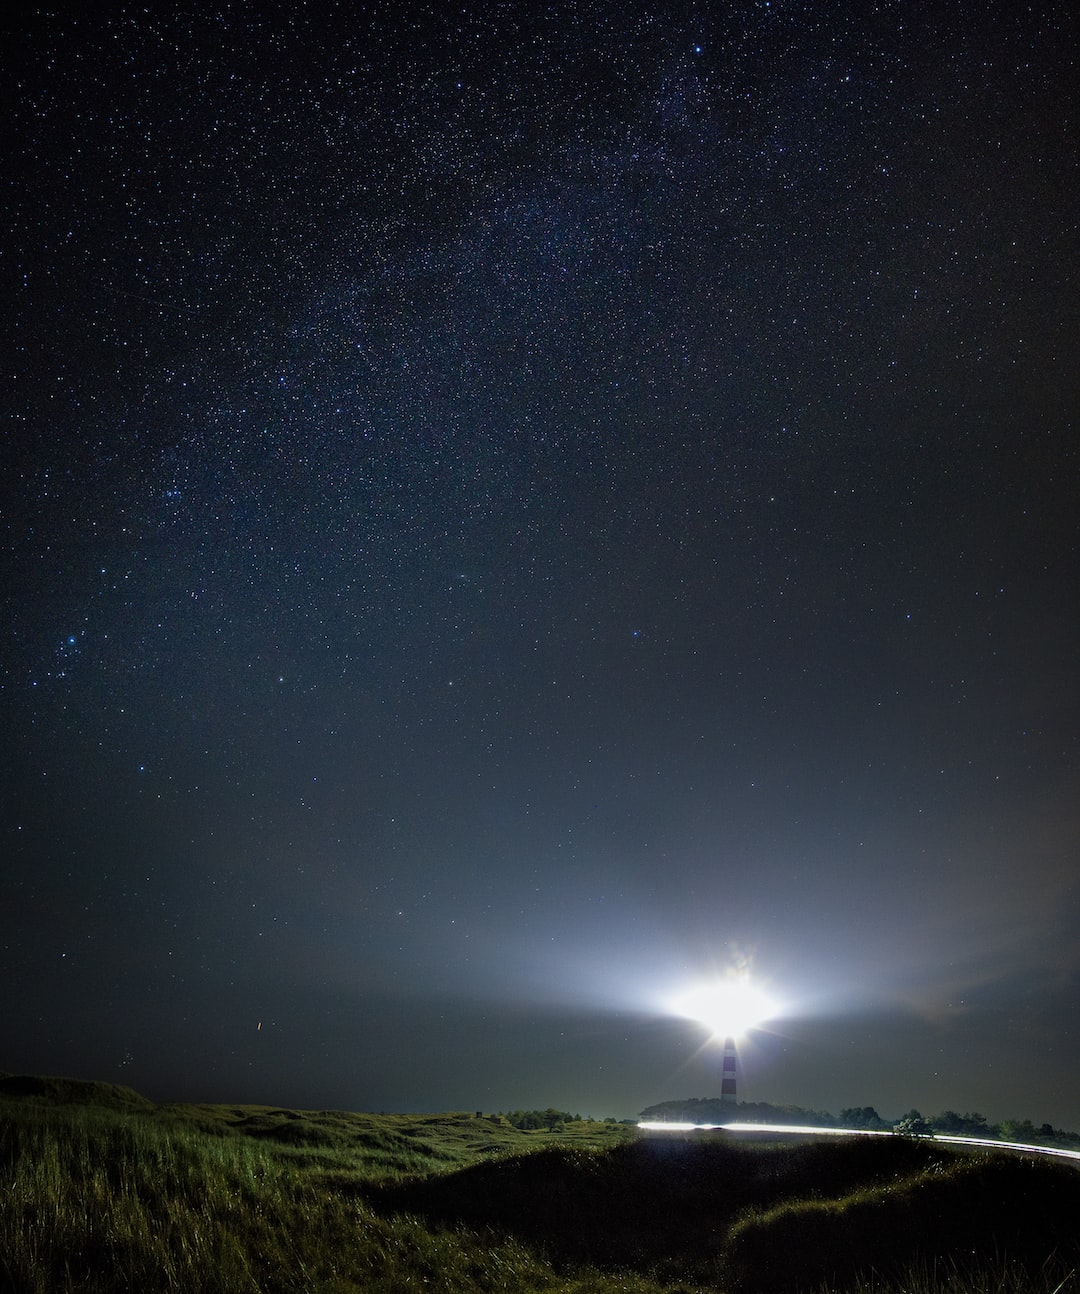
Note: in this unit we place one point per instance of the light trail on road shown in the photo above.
(787, 1129)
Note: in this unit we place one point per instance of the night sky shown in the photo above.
(508, 509)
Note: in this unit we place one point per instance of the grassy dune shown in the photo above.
(101, 1190)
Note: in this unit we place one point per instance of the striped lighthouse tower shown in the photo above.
(727, 1086)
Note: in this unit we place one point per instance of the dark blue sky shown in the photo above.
(506, 510)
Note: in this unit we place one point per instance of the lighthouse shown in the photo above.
(728, 1008)
(727, 1085)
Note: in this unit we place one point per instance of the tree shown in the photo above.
(913, 1125)
(961, 1125)
(862, 1116)
(1018, 1130)
(534, 1120)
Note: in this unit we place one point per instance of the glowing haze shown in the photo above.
(728, 1008)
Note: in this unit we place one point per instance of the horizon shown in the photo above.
(507, 1108)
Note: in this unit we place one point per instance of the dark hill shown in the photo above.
(757, 1217)
(72, 1091)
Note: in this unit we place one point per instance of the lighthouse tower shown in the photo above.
(727, 1086)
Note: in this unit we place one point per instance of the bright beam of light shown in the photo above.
(728, 1007)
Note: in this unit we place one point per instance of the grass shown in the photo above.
(115, 1194)
(102, 1191)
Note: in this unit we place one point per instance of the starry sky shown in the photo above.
(508, 509)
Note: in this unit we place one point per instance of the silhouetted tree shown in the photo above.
(862, 1116)
(961, 1125)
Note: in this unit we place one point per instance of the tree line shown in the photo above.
(550, 1120)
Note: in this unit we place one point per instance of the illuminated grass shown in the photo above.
(954, 1276)
(221, 1199)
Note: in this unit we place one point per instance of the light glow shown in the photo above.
(728, 1007)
